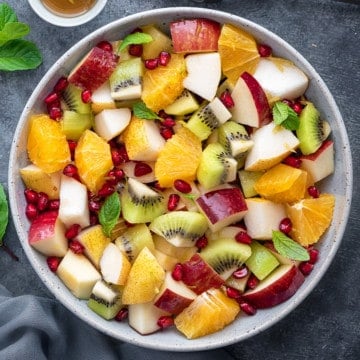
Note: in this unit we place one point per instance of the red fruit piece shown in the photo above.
(53, 263)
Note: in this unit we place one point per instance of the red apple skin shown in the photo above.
(199, 276)
(259, 97)
(276, 292)
(94, 69)
(195, 35)
(172, 302)
(43, 226)
(222, 203)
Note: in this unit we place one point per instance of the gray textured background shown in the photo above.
(326, 324)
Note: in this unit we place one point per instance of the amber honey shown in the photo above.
(69, 8)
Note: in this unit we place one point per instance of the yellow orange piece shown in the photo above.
(282, 183)
(238, 51)
(211, 311)
(163, 85)
(145, 279)
(310, 218)
(179, 158)
(47, 146)
(93, 160)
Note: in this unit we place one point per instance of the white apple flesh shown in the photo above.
(101, 98)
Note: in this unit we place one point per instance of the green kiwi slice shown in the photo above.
(180, 228)
(73, 124)
(73, 101)
(184, 104)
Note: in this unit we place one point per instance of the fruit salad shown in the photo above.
(174, 178)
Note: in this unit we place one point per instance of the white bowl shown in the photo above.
(340, 184)
(63, 21)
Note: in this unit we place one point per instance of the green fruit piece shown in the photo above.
(73, 101)
(184, 104)
(105, 300)
(180, 228)
(311, 129)
(247, 181)
(261, 262)
(216, 166)
(134, 239)
(140, 203)
(225, 255)
(73, 124)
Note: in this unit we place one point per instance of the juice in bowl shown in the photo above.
(170, 142)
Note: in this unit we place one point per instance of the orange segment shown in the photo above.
(238, 51)
(47, 146)
(211, 311)
(163, 85)
(179, 158)
(282, 183)
(310, 218)
(93, 160)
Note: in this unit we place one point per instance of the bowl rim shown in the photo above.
(211, 341)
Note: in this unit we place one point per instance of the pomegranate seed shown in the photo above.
(71, 170)
(142, 169)
(313, 191)
(164, 58)
(31, 211)
(162, 114)
(117, 174)
(247, 308)
(122, 314)
(240, 272)
(31, 196)
(182, 186)
(306, 267)
(297, 107)
(252, 282)
(135, 50)
(55, 113)
(232, 292)
(43, 200)
(86, 96)
(152, 64)
(72, 146)
(264, 50)
(72, 231)
(76, 247)
(226, 99)
(165, 321)
(94, 219)
(94, 205)
(293, 161)
(55, 104)
(285, 226)
(54, 204)
(51, 98)
(314, 255)
(201, 242)
(177, 272)
(168, 122)
(119, 155)
(173, 202)
(166, 133)
(243, 237)
(61, 85)
(106, 190)
(105, 45)
(53, 263)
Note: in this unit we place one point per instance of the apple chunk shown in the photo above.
(174, 295)
(279, 286)
(47, 234)
(251, 106)
(195, 35)
(222, 207)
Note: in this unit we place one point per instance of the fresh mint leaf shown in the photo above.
(288, 247)
(135, 38)
(109, 213)
(4, 213)
(19, 55)
(12, 31)
(141, 111)
(285, 116)
(7, 15)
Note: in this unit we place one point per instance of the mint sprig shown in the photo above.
(289, 248)
(141, 111)
(285, 116)
(109, 213)
(135, 38)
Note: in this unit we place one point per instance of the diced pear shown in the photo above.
(160, 42)
(167, 262)
(78, 274)
(101, 98)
